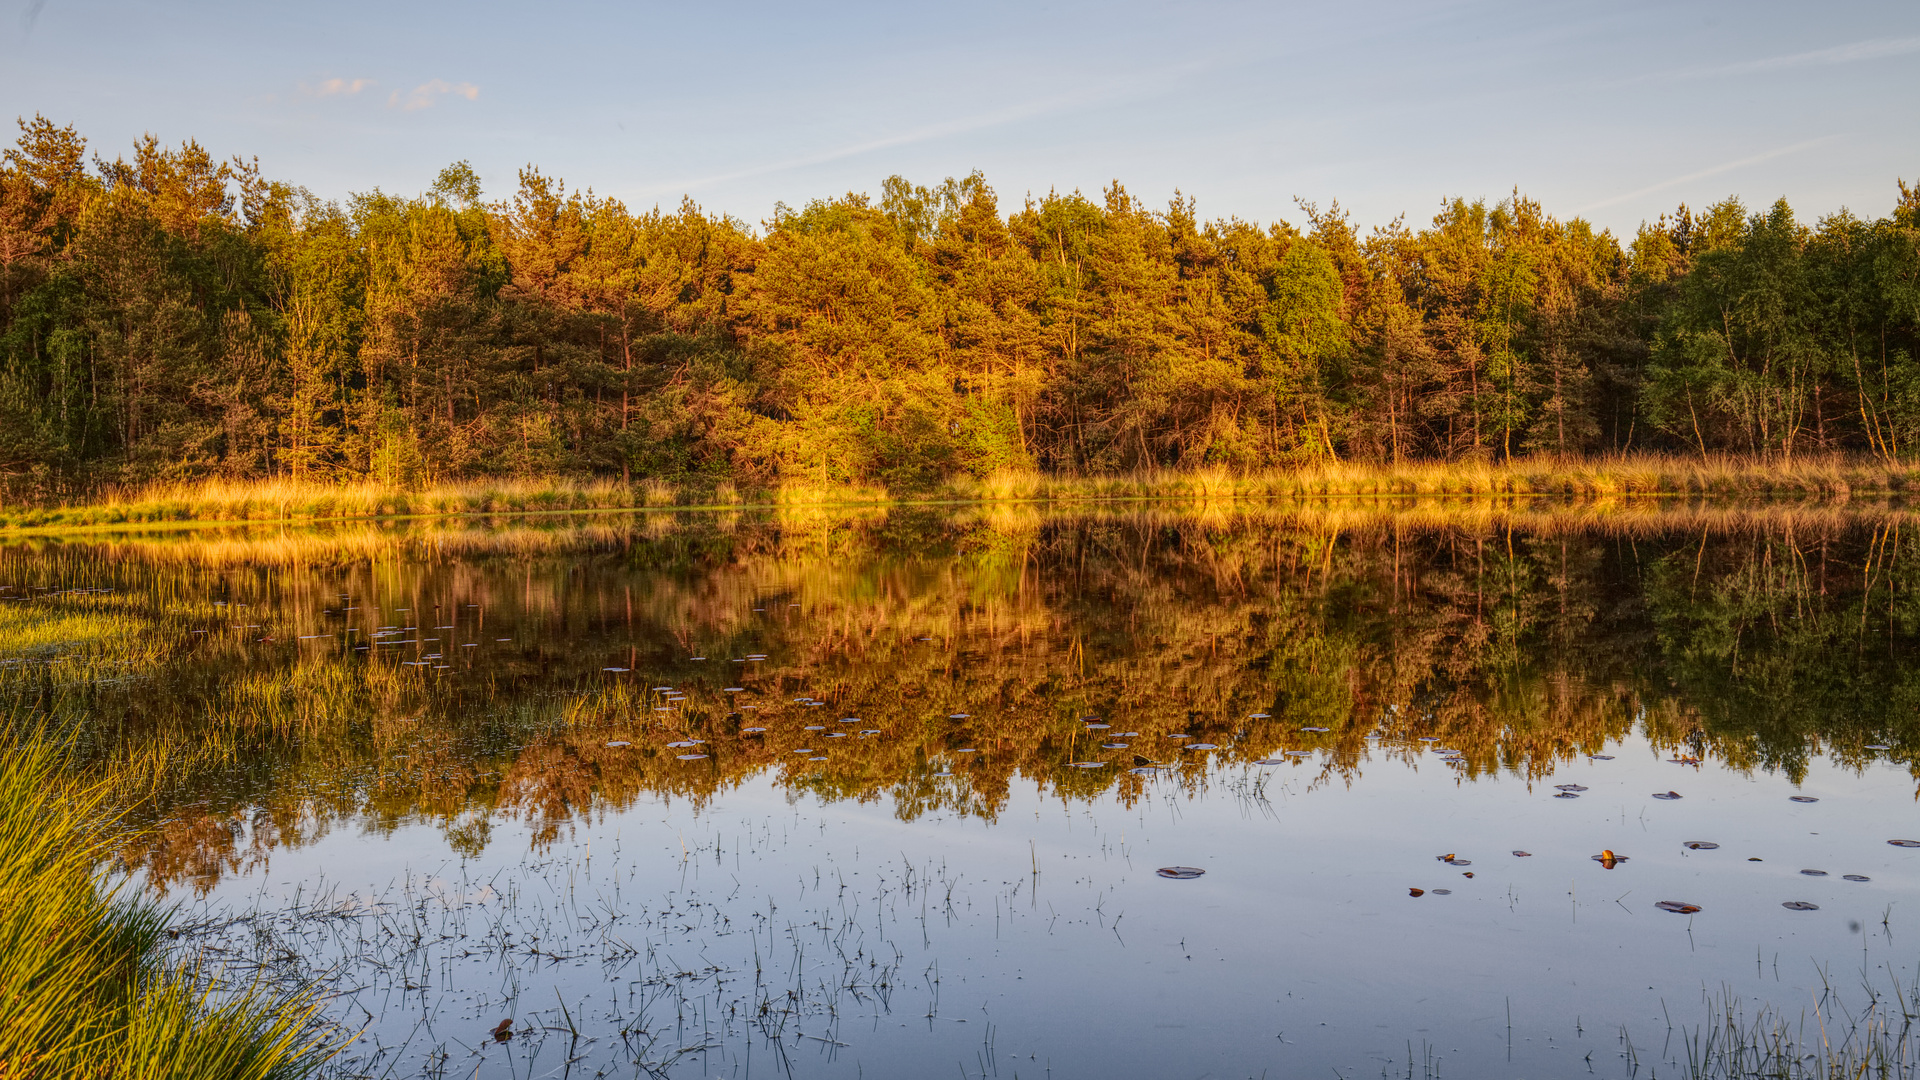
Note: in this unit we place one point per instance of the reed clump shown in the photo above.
(89, 986)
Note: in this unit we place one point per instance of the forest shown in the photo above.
(171, 315)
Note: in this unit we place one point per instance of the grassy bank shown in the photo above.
(89, 986)
(1588, 478)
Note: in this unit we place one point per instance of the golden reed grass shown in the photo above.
(1623, 476)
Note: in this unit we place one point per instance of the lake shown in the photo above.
(897, 792)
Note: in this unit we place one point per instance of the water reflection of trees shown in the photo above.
(1763, 640)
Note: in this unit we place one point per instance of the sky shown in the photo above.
(1613, 112)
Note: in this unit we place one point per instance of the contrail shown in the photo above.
(1716, 170)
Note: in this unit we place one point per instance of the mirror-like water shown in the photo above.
(888, 795)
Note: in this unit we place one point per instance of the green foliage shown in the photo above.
(173, 317)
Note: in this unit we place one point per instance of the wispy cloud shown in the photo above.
(337, 87)
(1872, 49)
(1723, 167)
(1143, 85)
(429, 93)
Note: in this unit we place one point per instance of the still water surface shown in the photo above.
(888, 795)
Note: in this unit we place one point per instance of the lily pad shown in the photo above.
(1855, 877)
(1571, 787)
(1800, 905)
(1801, 798)
(1700, 845)
(1180, 873)
(1904, 843)
(619, 744)
(1567, 795)
(1814, 873)
(1677, 907)
(1202, 746)
(689, 757)
(1313, 729)
(1599, 757)
(1522, 854)
(1669, 795)
(1443, 892)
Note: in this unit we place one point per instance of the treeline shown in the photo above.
(175, 316)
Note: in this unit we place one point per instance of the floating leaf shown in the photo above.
(617, 744)
(1088, 764)
(1313, 729)
(1146, 770)
(1567, 795)
(1098, 727)
(1878, 746)
(1571, 787)
(1429, 738)
(1271, 761)
(1180, 873)
(1299, 753)
(1800, 905)
(1904, 843)
(503, 1030)
(1855, 877)
(1523, 854)
(1701, 845)
(1113, 746)
(1666, 795)
(690, 757)
(1677, 907)
(1814, 873)
(1801, 798)
(1443, 892)
(1600, 757)
(751, 730)
(1416, 892)
(1202, 746)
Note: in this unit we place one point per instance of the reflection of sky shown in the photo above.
(1618, 111)
(1299, 951)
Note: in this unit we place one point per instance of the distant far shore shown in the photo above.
(1823, 478)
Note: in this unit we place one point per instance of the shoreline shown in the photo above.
(1632, 479)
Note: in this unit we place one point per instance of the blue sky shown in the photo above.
(1614, 112)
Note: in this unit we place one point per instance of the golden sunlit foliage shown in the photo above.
(171, 318)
